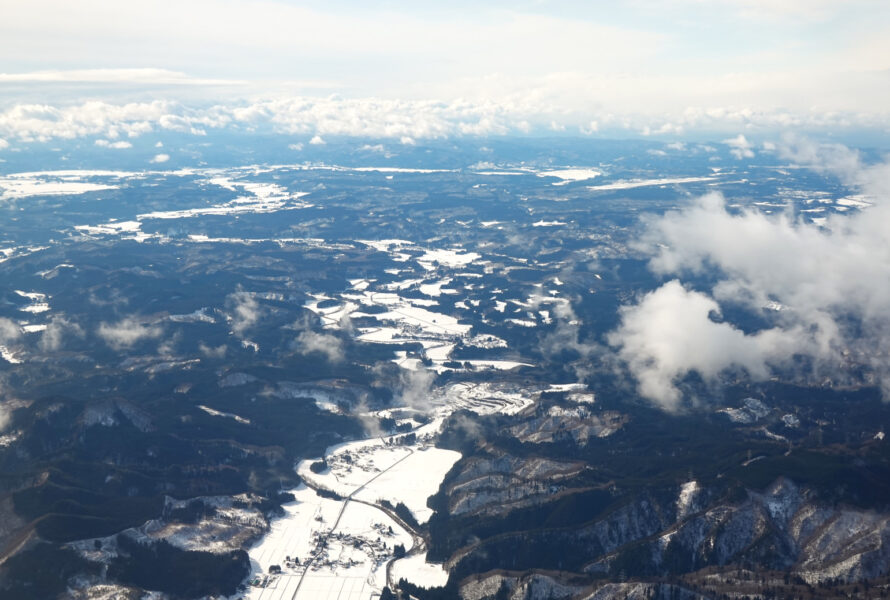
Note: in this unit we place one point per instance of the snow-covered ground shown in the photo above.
(418, 571)
(412, 481)
(572, 174)
(636, 183)
(326, 549)
(329, 548)
(22, 186)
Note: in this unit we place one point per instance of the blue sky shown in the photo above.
(659, 67)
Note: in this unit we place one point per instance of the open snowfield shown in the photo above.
(15, 187)
(412, 481)
(419, 572)
(353, 465)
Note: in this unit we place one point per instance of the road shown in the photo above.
(419, 541)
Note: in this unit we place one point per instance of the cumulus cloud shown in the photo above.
(670, 332)
(3, 144)
(522, 111)
(740, 147)
(326, 344)
(127, 332)
(119, 145)
(160, 158)
(825, 291)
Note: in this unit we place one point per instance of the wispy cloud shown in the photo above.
(57, 330)
(9, 331)
(314, 342)
(127, 332)
(244, 311)
(130, 76)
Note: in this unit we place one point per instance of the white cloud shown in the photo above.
(415, 389)
(740, 147)
(825, 290)
(3, 144)
(317, 140)
(127, 332)
(56, 331)
(407, 121)
(312, 342)
(142, 76)
(160, 158)
(9, 331)
(244, 311)
(119, 145)
(215, 352)
(670, 333)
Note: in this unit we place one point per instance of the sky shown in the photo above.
(669, 68)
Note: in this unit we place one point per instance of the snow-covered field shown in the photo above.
(419, 572)
(572, 174)
(326, 549)
(329, 548)
(412, 481)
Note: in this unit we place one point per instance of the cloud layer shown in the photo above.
(314, 119)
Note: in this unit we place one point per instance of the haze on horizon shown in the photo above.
(644, 68)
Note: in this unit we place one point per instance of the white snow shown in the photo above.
(416, 570)
(263, 198)
(636, 183)
(686, 498)
(522, 322)
(412, 481)
(217, 413)
(15, 187)
(571, 174)
(498, 365)
(8, 356)
(857, 201)
(385, 245)
(37, 308)
(398, 170)
(566, 387)
(447, 258)
(35, 296)
(347, 543)
(436, 288)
